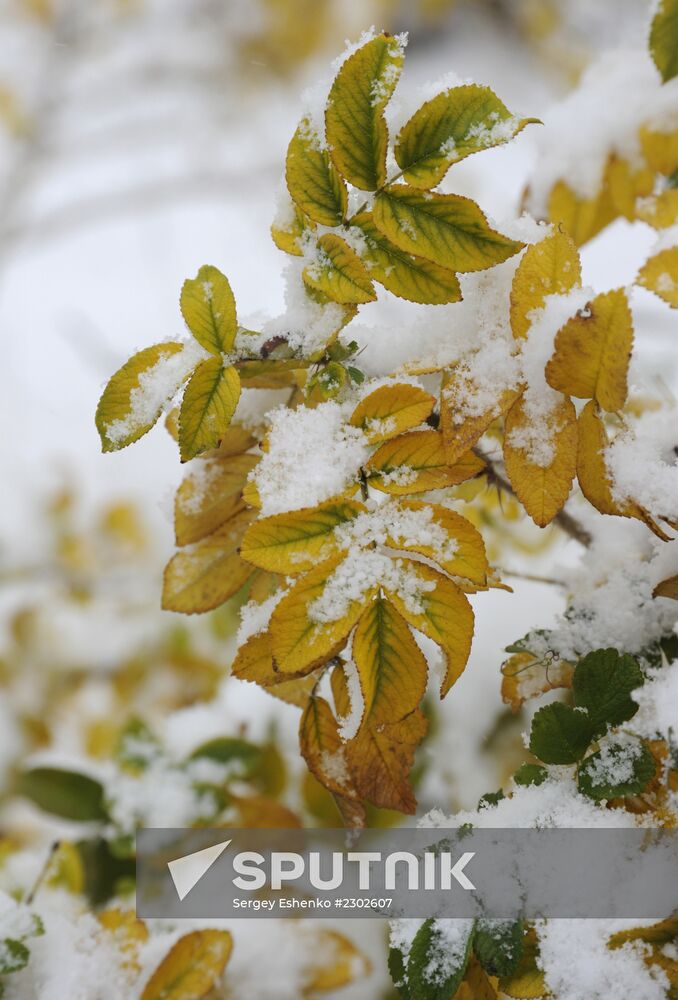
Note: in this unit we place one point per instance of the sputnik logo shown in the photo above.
(187, 871)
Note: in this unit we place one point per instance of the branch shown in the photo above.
(569, 524)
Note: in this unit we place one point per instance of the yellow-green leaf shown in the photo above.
(416, 462)
(296, 541)
(444, 615)
(299, 641)
(312, 179)
(208, 307)
(664, 39)
(448, 128)
(210, 495)
(191, 967)
(462, 553)
(550, 267)
(339, 272)
(391, 667)
(392, 409)
(322, 748)
(592, 352)
(286, 232)
(200, 578)
(542, 489)
(660, 275)
(413, 278)
(208, 405)
(138, 393)
(356, 132)
(445, 228)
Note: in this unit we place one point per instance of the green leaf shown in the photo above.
(618, 769)
(243, 756)
(445, 228)
(396, 968)
(14, 955)
(560, 734)
(312, 179)
(68, 794)
(356, 132)
(602, 683)
(490, 799)
(138, 393)
(208, 306)
(448, 128)
(664, 39)
(530, 774)
(208, 405)
(413, 278)
(498, 945)
(338, 272)
(436, 963)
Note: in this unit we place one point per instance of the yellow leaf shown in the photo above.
(480, 985)
(254, 663)
(445, 228)
(448, 128)
(357, 136)
(416, 462)
(128, 932)
(380, 758)
(334, 962)
(191, 968)
(339, 273)
(131, 402)
(667, 588)
(659, 210)
(413, 278)
(592, 473)
(582, 218)
(466, 556)
(323, 749)
(446, 617)
(286, 233)
(658, 934)
(208, 307)
(542, 490)
(391, 667)
(203, 576)
(461, 434)
(299, 643)
(210, 495)
(209, 402)
(297, 541)
(660, 149)
(627, 186)
(660, 275)
(592, 352)
(550, 267)
(312, 179)
(664, 38)
(524, 677)
(392, 409)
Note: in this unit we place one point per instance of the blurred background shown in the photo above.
(140, 139)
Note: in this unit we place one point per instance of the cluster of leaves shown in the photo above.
(640, 190)
(242, 784)
(413, 241)
(490, 958)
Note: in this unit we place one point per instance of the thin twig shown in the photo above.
(532, 577)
